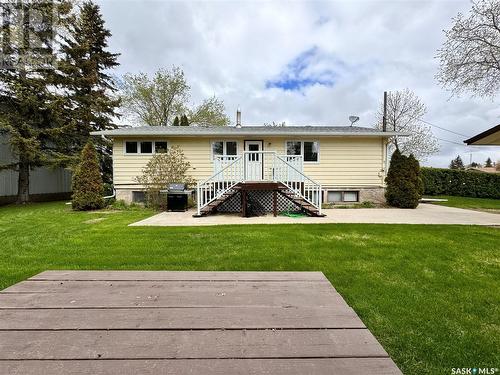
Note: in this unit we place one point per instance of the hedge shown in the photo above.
(438, 181)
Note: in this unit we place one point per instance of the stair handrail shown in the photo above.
(314, 196)
(218, 186)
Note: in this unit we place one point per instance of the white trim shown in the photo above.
(302, 149)
(224, 147)
(139, 151)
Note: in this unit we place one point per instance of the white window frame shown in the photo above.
(342, 192)
(302, 149)
(224, 147)
(139, 151)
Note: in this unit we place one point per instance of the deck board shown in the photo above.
(161, 322)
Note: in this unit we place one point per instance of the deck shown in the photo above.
(133, 322)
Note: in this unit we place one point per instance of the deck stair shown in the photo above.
(259, 170)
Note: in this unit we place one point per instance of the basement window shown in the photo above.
(336, 196)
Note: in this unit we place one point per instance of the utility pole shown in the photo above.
(384, 118)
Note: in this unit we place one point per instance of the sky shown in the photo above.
(304, 62)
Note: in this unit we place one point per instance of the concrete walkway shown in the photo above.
(423, 214)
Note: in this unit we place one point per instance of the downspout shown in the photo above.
(112, 195)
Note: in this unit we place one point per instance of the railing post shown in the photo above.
(198, 198)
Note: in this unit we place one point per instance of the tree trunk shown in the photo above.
(23, 181)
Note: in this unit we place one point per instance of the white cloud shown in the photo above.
(232, 48)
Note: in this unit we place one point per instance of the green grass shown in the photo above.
(430, 294)
(484, 204)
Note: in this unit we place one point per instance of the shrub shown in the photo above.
(404, 184)
(161, 170)
(87, 182)
(440, 181)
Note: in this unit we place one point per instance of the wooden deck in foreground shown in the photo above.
(131, 322)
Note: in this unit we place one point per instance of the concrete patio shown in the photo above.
(423, 214)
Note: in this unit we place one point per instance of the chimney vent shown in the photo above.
(238, 118)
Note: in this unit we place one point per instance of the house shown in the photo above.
(269, 168)
(45, 183)
(490, 137)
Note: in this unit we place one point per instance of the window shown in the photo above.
(311, 151)
(308, 149)
(342, 196)
(138, 196)
(224, 148)
(160, 147)
(294, 148)
(131, 147)
(146, 147)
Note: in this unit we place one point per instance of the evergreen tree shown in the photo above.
(87, 182)
(176, 121)
(404, 184)
(30, 104)
(457, 163)
(92, 103)
(184, 121)
(488, 163)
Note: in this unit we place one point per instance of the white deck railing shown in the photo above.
(256, 166)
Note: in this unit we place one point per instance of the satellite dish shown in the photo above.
(353, 119)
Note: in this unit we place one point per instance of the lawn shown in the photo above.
(483, 204)
(430, 294)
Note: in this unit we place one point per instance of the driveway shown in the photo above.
(423, 214)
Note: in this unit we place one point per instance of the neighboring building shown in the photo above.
(490, 137)
(304, 164)
(45, 183)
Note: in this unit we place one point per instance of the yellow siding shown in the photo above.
(343, 161)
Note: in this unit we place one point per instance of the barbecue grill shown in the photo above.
(177, 197)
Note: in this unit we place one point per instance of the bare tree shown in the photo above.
(470, 56)
(404, 111)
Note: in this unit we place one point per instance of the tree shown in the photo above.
(470, 56)
(92, 101)
(209, 113)
(31, 106)
(404, 183)
(404, 112)
(161, 170)
(184, 121)
(87, 182)
(457, 163)
(488, 163)
(176, 121)
(475, 165)
(156, 101)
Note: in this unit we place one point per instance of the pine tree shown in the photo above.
(87, 182)
(488, 163)
(404, 184)
(30, 105)
(184, 120)
(92, 101)
(457, 163)
(176, 121)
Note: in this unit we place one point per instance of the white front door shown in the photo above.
(253, 160)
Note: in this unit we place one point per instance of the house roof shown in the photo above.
(490, 137)
(178, 131)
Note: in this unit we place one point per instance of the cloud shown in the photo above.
(303, 62)
(300, 73)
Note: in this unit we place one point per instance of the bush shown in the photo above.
(87, 182)
(161, 170)
(404, 184)
(440, 181)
